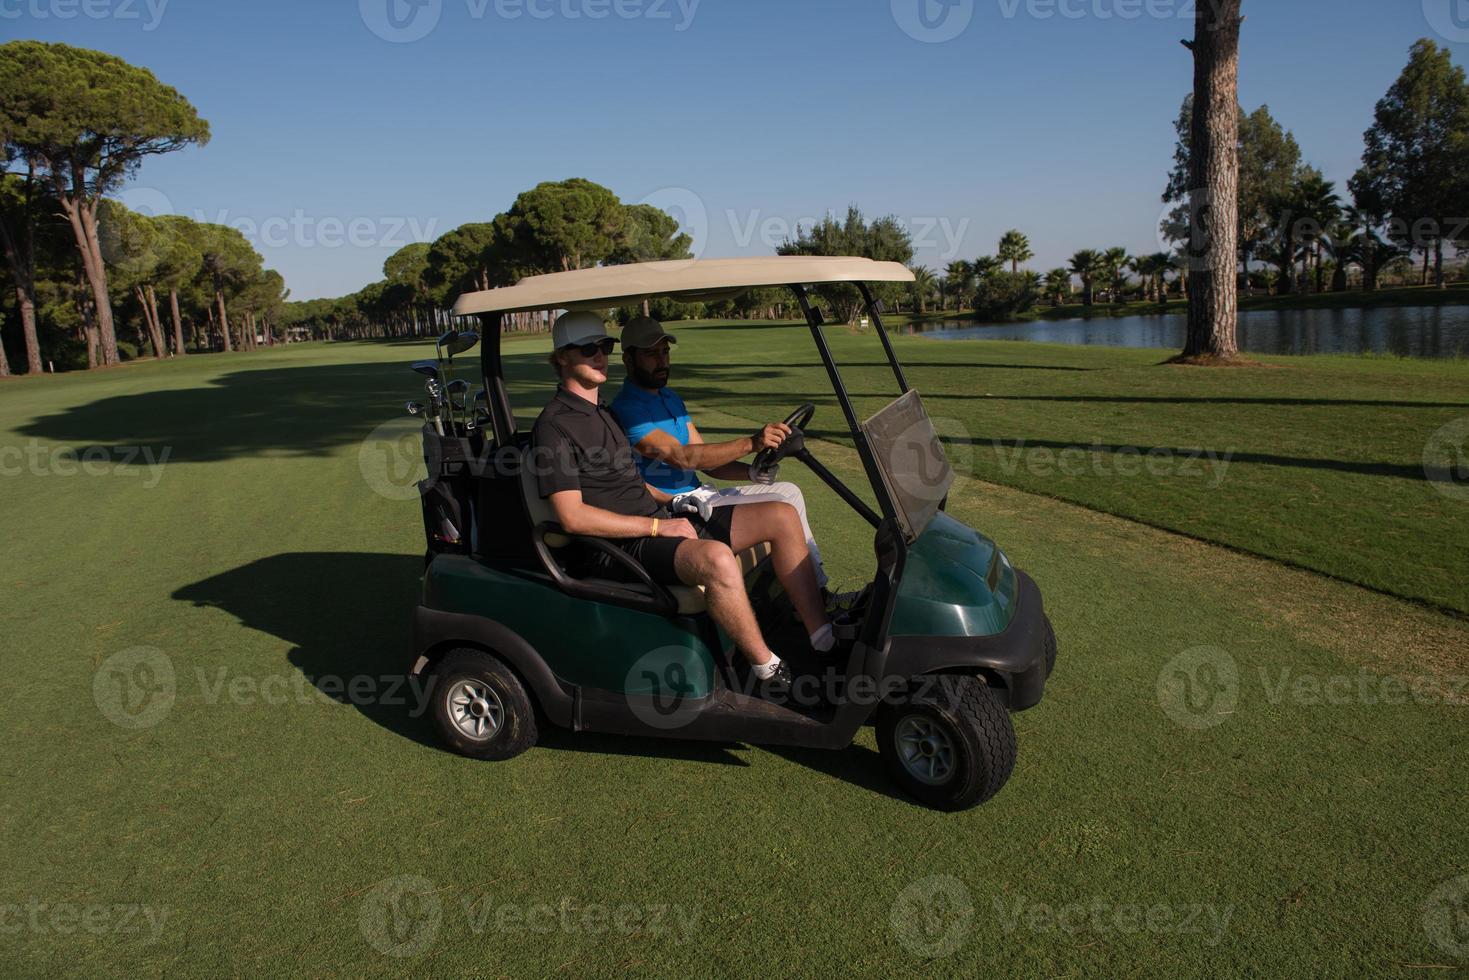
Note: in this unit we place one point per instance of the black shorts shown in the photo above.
(656, 554)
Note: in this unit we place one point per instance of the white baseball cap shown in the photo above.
(577, 328)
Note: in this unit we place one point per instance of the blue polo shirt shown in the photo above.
(640, 412)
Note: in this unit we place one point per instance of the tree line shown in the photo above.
(76, 126)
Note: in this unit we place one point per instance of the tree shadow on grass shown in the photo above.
(298, 411)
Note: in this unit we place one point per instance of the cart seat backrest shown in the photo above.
(538, 507)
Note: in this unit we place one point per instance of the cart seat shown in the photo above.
(690, 598)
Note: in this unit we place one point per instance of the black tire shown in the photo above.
(1050, 647)
(970, 723)
(458, 681)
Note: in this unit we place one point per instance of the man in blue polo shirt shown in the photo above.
(673, 452)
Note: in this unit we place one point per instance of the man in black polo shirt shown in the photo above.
(589, 475)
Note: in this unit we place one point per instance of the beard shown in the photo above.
(649, 379)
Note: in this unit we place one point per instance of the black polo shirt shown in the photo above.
(576, 445)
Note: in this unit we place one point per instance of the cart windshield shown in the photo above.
(912, 461)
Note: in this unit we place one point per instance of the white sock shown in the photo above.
(766, 670)
(823, 640)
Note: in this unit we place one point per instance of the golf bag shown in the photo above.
(447, 494)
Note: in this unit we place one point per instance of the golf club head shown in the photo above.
(457, 387)
(426, 368)
(462, 341)
(414, 408)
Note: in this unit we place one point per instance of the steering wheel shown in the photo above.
(795, 442)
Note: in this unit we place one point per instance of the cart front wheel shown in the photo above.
(951, 744)
(480, 708)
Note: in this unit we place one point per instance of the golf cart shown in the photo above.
(944, 641)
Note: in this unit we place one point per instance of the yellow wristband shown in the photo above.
(655, 527)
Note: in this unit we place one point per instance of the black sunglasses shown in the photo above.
(590, 350)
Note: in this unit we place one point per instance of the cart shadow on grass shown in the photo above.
(346, 616)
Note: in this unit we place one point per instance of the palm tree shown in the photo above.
(1087, 265)
(1343, 243)
(960, 274)
(1319, 207)
(986, 266)
(1015, 249)
(1058, 285)
(921, 287)
(1115, 260)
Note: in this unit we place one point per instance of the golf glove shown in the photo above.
(766, 477)
(696, 501)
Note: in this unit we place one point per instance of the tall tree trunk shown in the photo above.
(178, 324)
(1438, 265)
(224, 320)
(4, 361)
(1213, 305)
(95, 276)
(1427, 254)
(25, 301)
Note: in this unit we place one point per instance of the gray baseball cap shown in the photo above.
(645, 332)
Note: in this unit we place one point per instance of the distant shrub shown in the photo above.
(1005, 295)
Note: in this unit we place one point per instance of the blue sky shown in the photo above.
(340, 135)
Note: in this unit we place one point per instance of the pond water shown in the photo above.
(1418, 331)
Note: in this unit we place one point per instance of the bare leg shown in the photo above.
(779, 524)
(712, 565)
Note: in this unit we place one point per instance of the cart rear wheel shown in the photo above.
(480, 708)
(951, 745)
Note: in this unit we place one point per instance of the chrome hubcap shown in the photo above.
(475, 709)
(925, 749)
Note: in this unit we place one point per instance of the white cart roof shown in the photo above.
(690, 280)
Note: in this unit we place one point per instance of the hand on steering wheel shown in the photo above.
(766, 459)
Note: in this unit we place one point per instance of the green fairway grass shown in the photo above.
(1299, 814)
(1315, 461)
